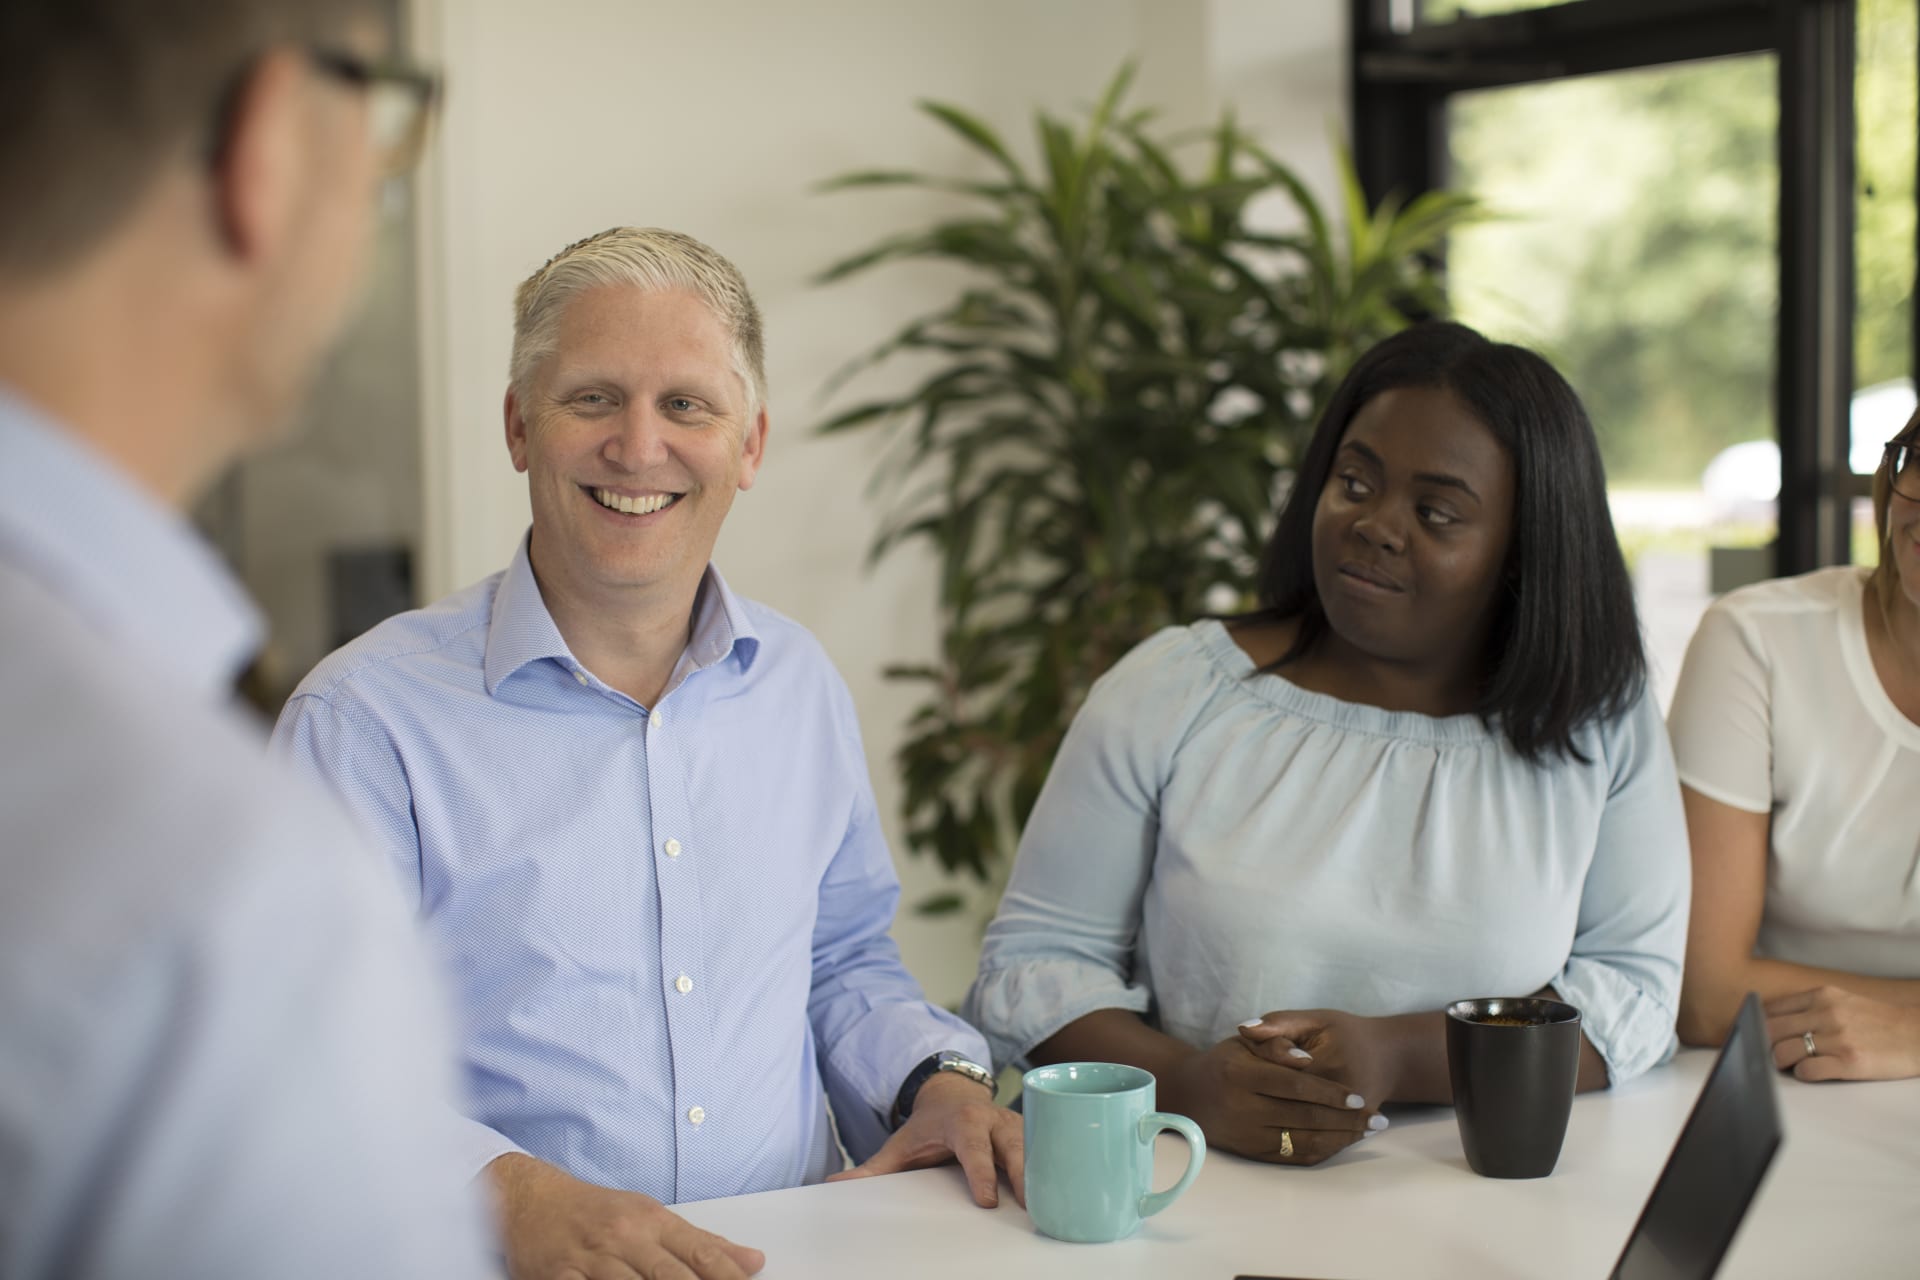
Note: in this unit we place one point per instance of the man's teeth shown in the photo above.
(632, 506)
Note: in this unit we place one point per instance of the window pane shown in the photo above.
(1637, 249)
(1884, 116)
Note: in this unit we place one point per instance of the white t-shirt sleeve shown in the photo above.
(1721, 721)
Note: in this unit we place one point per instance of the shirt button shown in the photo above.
(683, 984)
(673, 848)
(696, 1114)
(581, 676)
(656, 719)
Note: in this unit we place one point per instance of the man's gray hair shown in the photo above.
(657, 261)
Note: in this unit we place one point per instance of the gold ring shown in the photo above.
(1286, 1144)
(1806, 1038)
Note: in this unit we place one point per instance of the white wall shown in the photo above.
(349, 477)
(717, 118)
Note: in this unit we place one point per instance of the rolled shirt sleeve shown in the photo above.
(1623, 972)
(1063, 943)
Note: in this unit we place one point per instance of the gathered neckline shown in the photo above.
(1275, 690)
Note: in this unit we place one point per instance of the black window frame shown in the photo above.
(1401, 80)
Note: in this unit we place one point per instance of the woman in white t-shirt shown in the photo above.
(1796, 728)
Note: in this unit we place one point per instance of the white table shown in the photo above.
(1842, 1200)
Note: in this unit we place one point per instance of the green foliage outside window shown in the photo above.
(1638, 246)
(1884, 112)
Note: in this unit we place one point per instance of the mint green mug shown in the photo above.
(1090, 1128)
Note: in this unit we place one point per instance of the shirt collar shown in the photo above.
(131, 566)
(521, 630)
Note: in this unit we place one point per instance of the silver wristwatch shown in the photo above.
(934, 1064)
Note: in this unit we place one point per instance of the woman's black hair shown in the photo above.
(1564, 647)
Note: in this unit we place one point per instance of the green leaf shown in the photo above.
(979, 134)
(869, 178)
(910, 671)
(859, 416)
(1103, 112)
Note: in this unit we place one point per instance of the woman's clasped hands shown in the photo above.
(1290, 1087)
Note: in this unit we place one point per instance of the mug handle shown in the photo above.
(1152, 1125)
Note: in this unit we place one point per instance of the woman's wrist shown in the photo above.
(1115, 1035)
(1907, 1017)
(1417, 1054)
(1168, 1065)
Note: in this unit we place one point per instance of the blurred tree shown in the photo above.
(1888, 87)
(1639, 251)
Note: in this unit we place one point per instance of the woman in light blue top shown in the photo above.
(1427, 768)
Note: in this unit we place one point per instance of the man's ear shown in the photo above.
(753, 450)
(260, 170)
(516, 430)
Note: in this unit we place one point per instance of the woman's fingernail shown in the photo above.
(1299, 1053)
(1355, 1101)
(1252, 1022)
(1376, 1123)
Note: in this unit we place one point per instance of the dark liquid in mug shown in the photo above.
(1509, 1020)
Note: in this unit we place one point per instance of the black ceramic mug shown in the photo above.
(1514, 1060)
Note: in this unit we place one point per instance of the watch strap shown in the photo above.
(930, 1066)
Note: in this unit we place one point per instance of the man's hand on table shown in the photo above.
(955, 1118)
(555, 1225)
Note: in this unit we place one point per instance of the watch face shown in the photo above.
(954, 1062)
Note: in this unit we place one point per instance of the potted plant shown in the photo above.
(1116, 400)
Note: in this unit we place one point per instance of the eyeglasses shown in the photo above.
(1902, 462)
(400, 101)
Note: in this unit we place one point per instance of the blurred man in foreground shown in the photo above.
(220, 1054)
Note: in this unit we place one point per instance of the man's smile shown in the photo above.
(633, 505)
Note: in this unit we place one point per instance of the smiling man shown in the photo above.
(634, 809)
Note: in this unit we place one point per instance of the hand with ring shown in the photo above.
(1249, 1104)
(1830, 1033)
(1345, 1048)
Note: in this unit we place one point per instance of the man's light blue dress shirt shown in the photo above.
(220, 1054)
(669, 923)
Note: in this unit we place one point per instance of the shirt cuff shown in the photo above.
(476, 1146)
(1019, 1006)
(876, 1059)
(1631, 1029)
